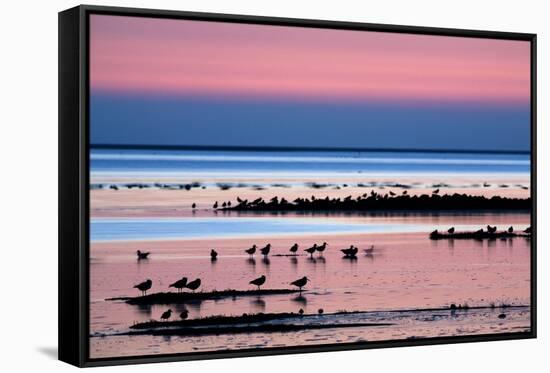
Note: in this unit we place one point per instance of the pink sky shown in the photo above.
(164, 56)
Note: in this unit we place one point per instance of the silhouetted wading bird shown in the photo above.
(511, 230)
(311, 250)
(320, 311)
(451, 230)
(215, 205)
(194, 206)
(251, 251)
(166, 315)
(180, 284)
(213, 254)
(435, 191)
(351, 252)
(184, 314)
(322, 248)
(392, 193)
(370, 250)
(258, 282)
(294, 248)
(266, 249)
(491, 229)
(144, 286)
(301, 311)
(142, 255)
(194, 285)
(479, 231)
(300, 283)
(348, 250)
(527, 230)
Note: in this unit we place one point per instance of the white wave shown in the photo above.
(308, 159)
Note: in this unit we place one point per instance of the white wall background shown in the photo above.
(28, 197)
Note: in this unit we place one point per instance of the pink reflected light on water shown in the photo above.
(405, 271)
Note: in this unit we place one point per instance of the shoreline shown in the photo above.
(174, 298)
(263, 317)
(384, 202)
(282, 328)
(285, 321)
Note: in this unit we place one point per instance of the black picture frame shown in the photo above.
(74, 183)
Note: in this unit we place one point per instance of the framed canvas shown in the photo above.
(233, 186)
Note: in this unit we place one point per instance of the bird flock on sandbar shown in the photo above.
(348, 253)
(490, 229)
(183, 283)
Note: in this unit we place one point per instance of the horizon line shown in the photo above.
(300, 148)
(247, 97)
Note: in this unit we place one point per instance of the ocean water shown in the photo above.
(136, 229)
(199, 162)
(407, 270)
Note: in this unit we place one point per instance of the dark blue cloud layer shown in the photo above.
(204, 121)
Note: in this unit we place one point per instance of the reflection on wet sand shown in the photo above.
(403, 270)
(259, 304)
(300, 299)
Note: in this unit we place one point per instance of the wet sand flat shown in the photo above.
(405, 271)
(402, 325)
(142, 200)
